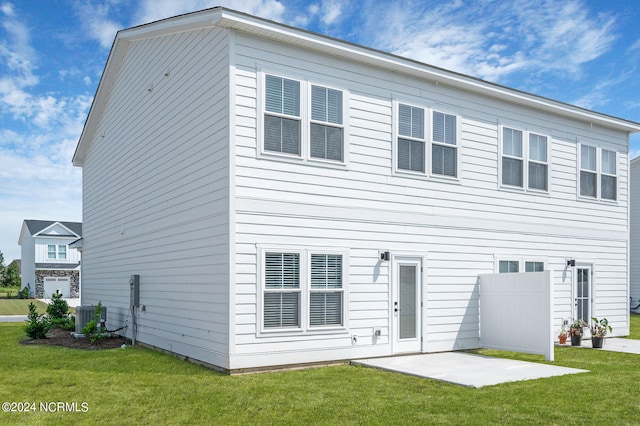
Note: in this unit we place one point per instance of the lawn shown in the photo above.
(141, 386)
(20, 306)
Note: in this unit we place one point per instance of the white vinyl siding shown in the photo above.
(327, 134)
(172, 227)
(598, 173)
(282, 115)
(411, 144)
(444, 151)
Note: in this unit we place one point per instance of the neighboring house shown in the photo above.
(289, 198)
(49, 265)
(634, 231)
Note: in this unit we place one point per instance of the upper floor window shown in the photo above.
(444, 145)
(525, 162)
(413, 143)
(598, 182)
(303, 120)
(282, 115)
(56, 251)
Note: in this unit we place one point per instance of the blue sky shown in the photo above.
(52, 53)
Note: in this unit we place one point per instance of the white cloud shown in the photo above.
(491, 40)
(94, 16)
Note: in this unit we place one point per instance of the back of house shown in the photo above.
(288, 198)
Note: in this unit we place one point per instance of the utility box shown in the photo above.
(134, 287)
(85, 313)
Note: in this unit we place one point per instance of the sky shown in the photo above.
(53, 52)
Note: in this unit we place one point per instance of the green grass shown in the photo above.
(8, 292)
(141, 386)
(20, 306)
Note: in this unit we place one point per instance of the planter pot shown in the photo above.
(576, 340)
(562, 339)
(597, 342)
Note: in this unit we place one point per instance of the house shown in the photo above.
(49, 264)
(279, 197)
(634, 231)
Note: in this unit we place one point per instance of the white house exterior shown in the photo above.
(49, 264)
(634, 230)
(254, 174)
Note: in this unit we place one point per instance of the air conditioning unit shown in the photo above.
(84, 314)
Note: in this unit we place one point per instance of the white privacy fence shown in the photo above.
(516, 312)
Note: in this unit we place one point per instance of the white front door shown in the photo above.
(406, 298)
(583, 294)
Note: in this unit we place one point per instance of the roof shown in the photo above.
(262, 28)
(40, 227)
(57, 265)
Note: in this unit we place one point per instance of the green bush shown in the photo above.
(58, 309)
(93, 329)
(37, 325)
(24, 293)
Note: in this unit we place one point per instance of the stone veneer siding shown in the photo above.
(74, 282)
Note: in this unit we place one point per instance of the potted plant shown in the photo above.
(599, 329)
(562, 337)
(576, 330)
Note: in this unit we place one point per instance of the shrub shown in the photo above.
(37, 325)
(93, 329)
(58, 308)
(24, 293)
(66, 323)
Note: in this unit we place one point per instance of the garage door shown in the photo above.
(53, 285)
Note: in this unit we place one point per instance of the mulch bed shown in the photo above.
(59, 337)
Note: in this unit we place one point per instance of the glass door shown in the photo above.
(406, 305)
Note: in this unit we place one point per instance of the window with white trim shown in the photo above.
(514, 264)
(303, 121)
(282, 119)
(608, 177)
(62, 252)
(538, 163)
(411, 143)
(512, 158)
(327, 133)
(302, 290)
(533, 266)
(588, 171)
(326, 291)
(598, 173)
(525, 160)
(507, 266)
(444, 150)
(51, 251)
(281, 302)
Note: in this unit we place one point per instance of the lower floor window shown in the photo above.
(302, 289)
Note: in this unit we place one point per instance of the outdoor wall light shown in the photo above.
(385, 255)
(571, 262)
